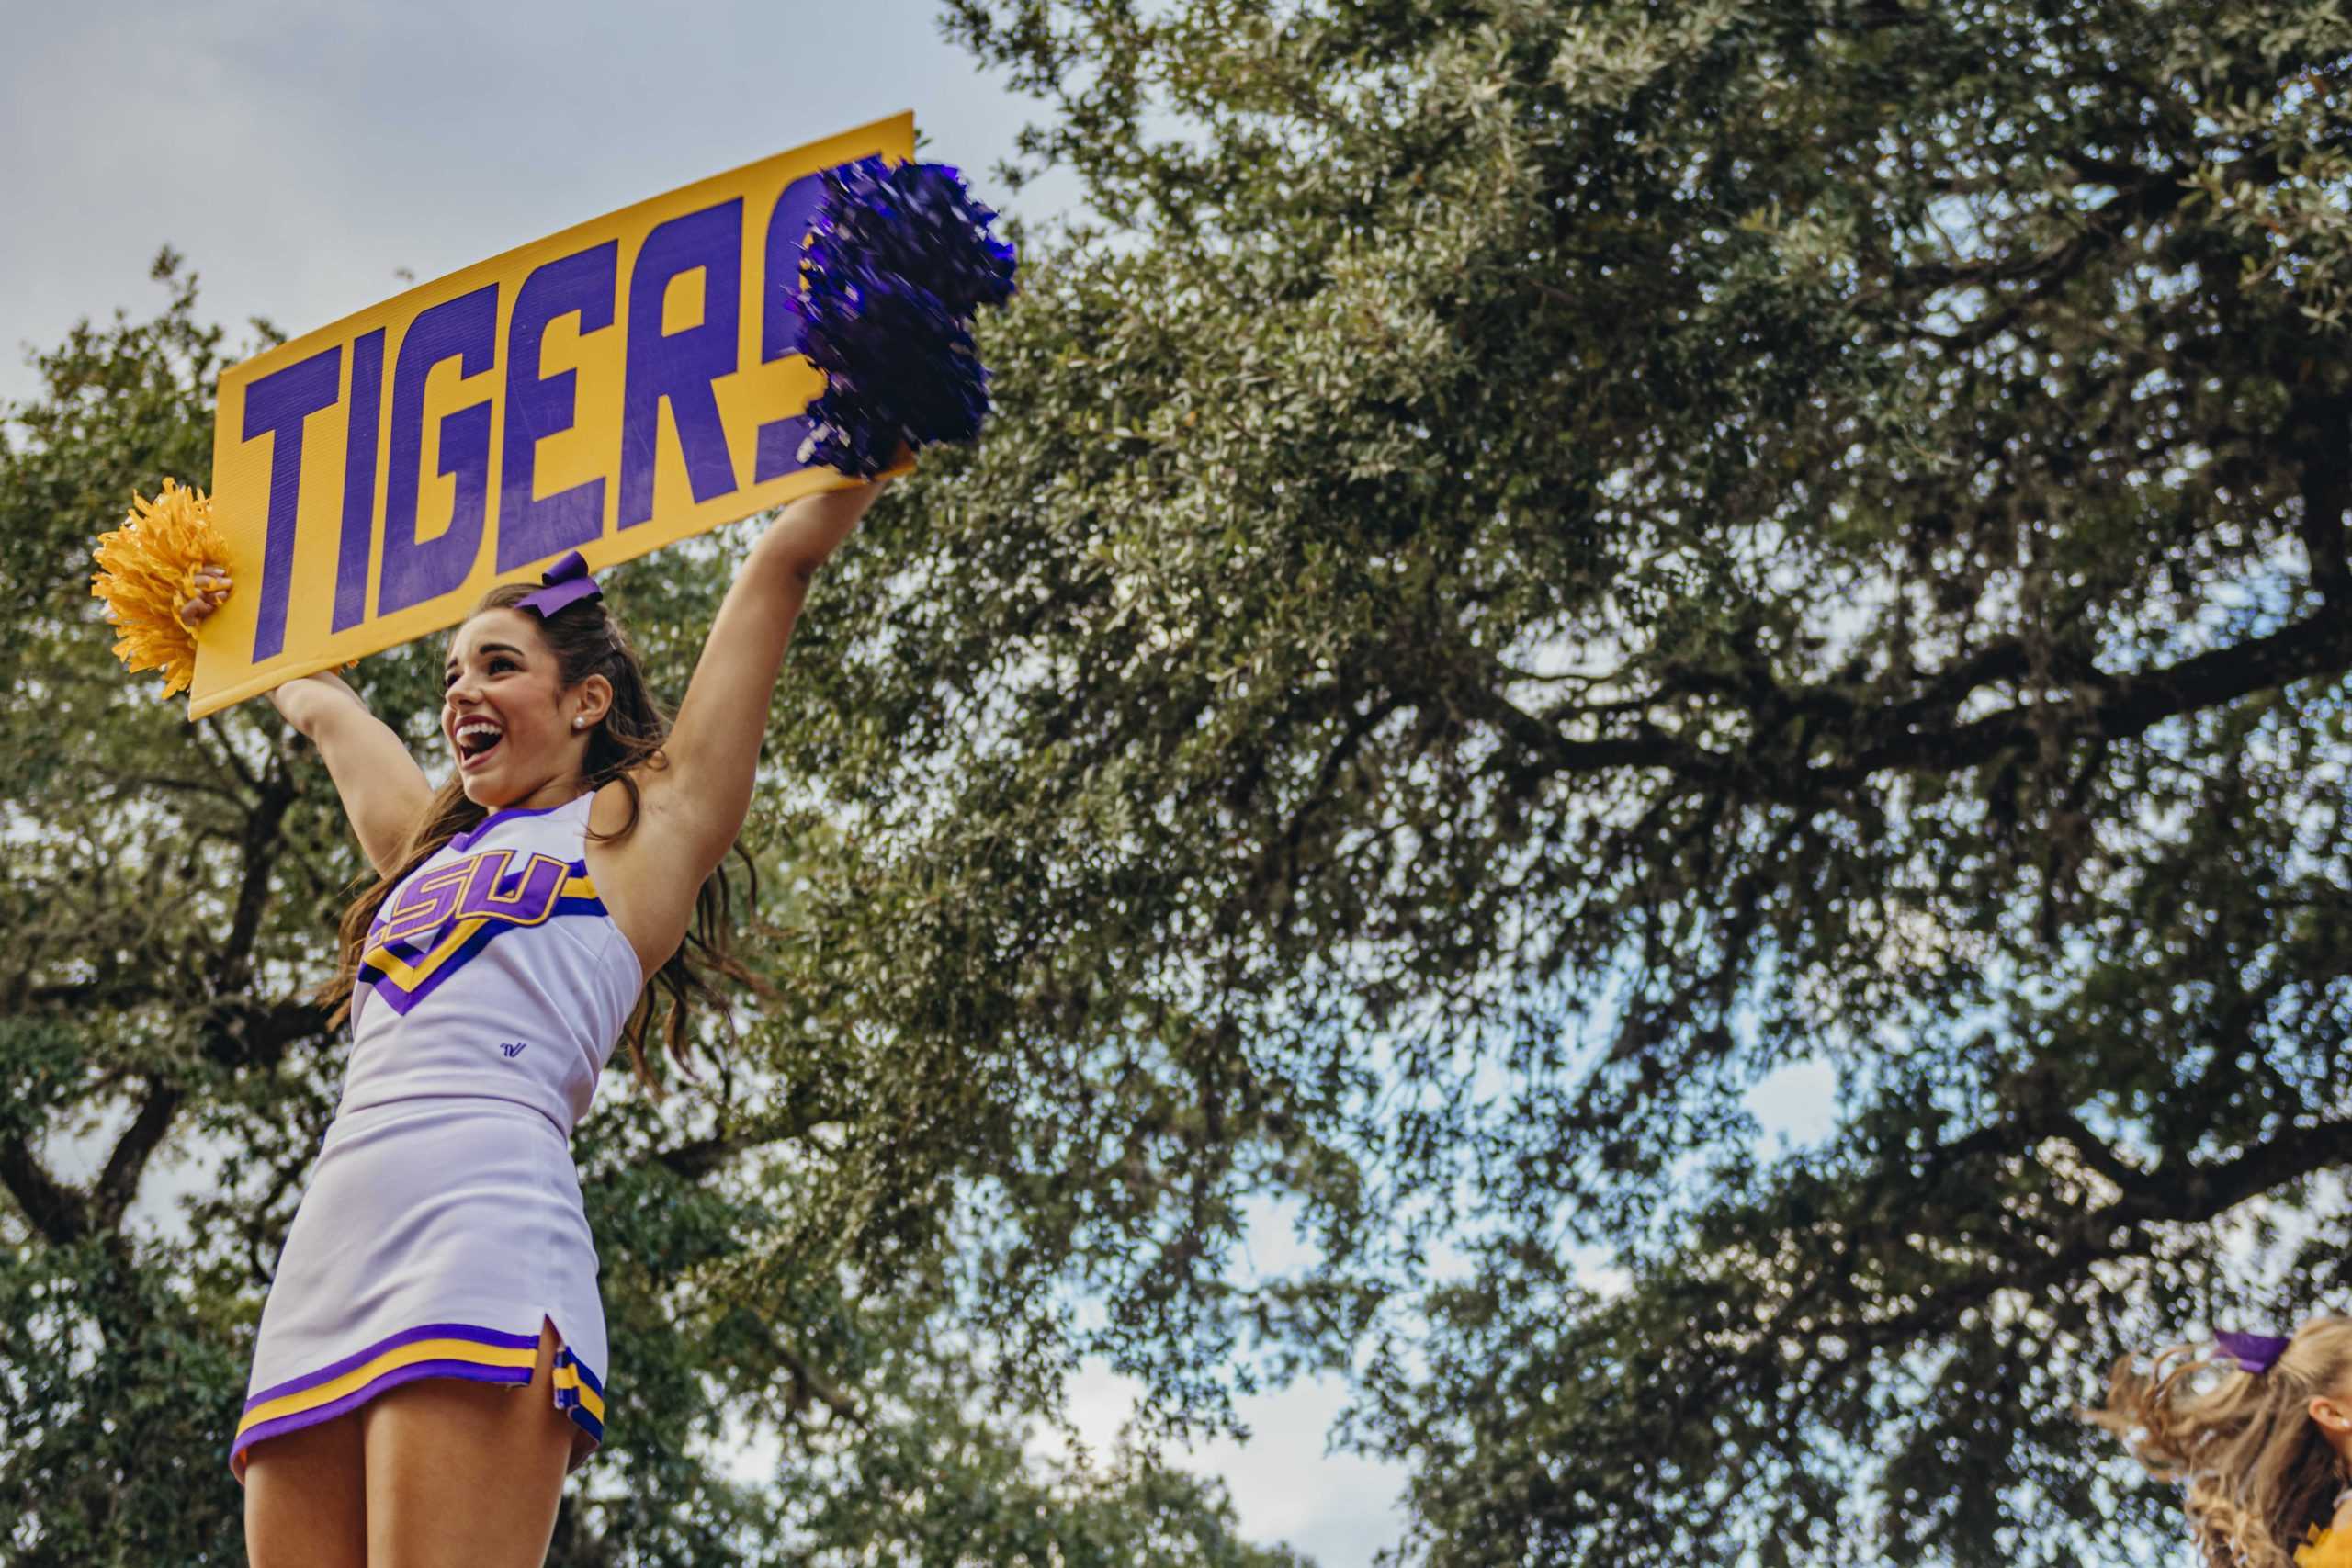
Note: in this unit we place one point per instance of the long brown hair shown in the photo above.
(587, 640)
(2260, 1472)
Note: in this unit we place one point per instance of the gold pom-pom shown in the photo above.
(149, 568)
(2325, 1549)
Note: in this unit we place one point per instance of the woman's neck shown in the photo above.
(554, 793)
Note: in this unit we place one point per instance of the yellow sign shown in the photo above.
(629, 382)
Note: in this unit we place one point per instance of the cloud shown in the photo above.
(1337, 1508)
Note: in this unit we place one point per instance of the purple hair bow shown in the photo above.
(2255, 1353)
(567, 582)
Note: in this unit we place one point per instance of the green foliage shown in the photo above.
(1580, 555)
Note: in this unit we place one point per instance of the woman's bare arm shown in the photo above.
(698, 802)
(384, 791)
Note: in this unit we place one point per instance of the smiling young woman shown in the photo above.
(524, 913)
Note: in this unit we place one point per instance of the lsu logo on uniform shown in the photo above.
(438, 922)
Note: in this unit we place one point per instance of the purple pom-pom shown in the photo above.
(898, 260)
(915, 222)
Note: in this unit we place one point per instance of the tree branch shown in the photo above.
(807, 1381)
(2322, 439)
(119, 1184)
(2127, 705)
(704, 1156)
(2192, 1195)
(2114, 707)
(799, 1115)
(239, 1033)
(57, 1212)
(260, 845)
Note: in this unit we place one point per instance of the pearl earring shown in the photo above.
(576, 723)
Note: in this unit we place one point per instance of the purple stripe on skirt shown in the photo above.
(276, 1426)
(334, 1369)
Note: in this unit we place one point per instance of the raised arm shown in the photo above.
(696, 805)
(384, 791)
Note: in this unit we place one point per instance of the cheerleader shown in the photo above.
(439, 1261)
(2264, 1447)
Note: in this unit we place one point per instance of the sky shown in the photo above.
(301, 155)
(311, 160)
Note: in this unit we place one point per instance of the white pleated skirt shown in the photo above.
(433, 1238)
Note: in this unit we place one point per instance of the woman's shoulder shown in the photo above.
(646, 886)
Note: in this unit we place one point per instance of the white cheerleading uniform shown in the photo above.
(442, 1218)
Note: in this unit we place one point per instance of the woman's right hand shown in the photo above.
(212, 587)
(290, 699)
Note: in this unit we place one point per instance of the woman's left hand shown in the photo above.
(814, 527)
